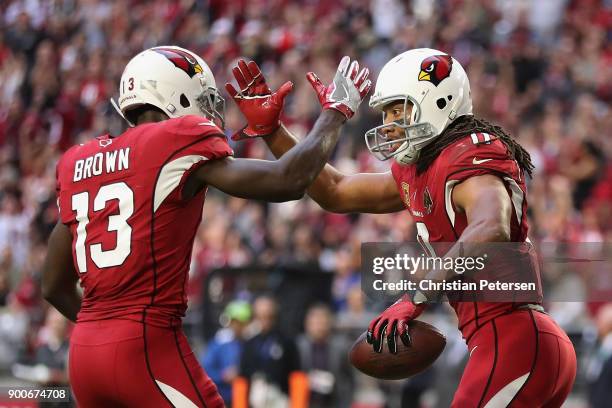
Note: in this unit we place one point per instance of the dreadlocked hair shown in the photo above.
(464, 126)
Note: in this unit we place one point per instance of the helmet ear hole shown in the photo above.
(184, 101)
(441, 102)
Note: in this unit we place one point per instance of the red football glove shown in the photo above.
(347, 89)
(392, 322)
(261, 107)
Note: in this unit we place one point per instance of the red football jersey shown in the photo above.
(428, 197)
(132, 230)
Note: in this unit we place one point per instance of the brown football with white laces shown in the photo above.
(427, 343)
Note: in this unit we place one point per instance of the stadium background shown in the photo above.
(540, 68)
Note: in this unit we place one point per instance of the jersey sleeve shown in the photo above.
(477, 156)
(202, 140)
(198, 135)
(188, 143)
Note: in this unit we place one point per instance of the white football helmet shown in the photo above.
(438, 89)
(172, 79)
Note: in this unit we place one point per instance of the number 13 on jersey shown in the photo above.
(116, 223)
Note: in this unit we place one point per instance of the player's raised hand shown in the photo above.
(348, 88)
(260, 106)
(393, 322)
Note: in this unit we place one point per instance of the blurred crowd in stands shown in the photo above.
(542, 69)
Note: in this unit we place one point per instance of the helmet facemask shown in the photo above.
(212, 105)
(416, 135)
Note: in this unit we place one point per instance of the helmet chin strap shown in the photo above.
(112, 101)
(407, 158)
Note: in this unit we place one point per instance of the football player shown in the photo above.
(130, 207)
(463, 181)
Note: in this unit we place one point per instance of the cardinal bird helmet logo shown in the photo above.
(181, 60)
(436, 68)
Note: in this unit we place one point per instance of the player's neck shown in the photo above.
(150, 117)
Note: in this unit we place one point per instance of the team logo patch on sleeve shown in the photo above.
(436, 68)
(181, 60)
(406, 193)
(427, 201)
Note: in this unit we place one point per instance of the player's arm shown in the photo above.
(334, 191)
(341, 193)
(279, 180)
(487, 206)
(488, 209)
(59, 278)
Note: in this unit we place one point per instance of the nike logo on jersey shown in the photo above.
(206, 124)
(476, 161)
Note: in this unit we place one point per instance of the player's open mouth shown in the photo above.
(394, 146)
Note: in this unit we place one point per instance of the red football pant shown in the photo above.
(521, 359)
(123, 363)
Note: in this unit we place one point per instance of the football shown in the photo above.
(427, 344)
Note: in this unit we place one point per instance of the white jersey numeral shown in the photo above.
(80, 204)
(423, 238)
(116, 223)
